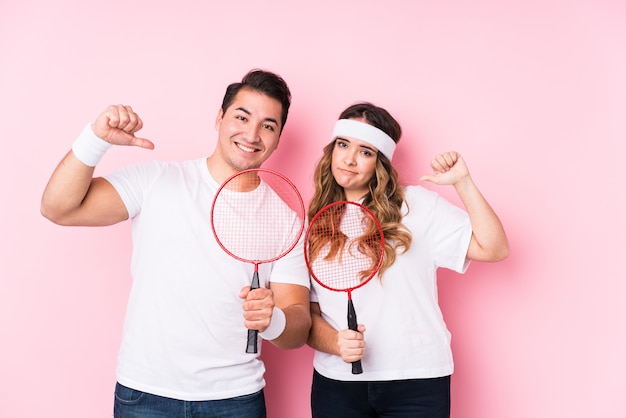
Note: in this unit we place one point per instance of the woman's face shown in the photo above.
(353, 165)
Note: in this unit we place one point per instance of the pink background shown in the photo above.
(532, 93)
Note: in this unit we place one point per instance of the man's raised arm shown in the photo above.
(72, 196)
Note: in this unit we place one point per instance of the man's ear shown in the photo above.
(218, 119)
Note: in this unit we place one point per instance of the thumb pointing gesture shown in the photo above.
(448, 169)
(117, 125)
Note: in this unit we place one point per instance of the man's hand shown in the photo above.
(118, 124)
(258, 306)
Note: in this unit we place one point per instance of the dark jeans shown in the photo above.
(415, 398)
(130, 403)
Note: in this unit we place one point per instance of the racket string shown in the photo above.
(344, 246)
(256, 224)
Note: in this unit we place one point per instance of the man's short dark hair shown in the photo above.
(265, 82)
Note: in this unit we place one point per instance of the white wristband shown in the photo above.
(88, 148)
(277, 325)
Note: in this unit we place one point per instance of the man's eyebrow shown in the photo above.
(271, 120)
(247, 112)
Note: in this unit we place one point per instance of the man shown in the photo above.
(183, 347)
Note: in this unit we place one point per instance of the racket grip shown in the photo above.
(253, 334)
(352, 324)
(251, 347)
(255, 281)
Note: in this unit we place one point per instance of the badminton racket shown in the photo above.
(257, 217)
(344, 250)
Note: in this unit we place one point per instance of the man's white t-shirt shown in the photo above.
(184, 336)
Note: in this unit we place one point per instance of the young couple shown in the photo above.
(182, 353)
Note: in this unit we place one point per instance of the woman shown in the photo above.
(402, 340)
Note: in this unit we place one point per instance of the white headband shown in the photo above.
(367, 133)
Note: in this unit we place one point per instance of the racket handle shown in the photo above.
(252, 341)
(255, 281)
(253, 334)
(352, 324)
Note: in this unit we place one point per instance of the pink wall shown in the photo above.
(532, 93)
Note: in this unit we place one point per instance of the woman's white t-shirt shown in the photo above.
(406, 336)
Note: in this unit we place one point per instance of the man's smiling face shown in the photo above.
(249, 130)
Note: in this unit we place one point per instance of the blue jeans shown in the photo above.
(415, 398)
(130, 403)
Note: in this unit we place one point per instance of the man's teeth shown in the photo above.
(246, 149)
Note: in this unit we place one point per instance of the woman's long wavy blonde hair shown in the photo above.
(386, 195)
